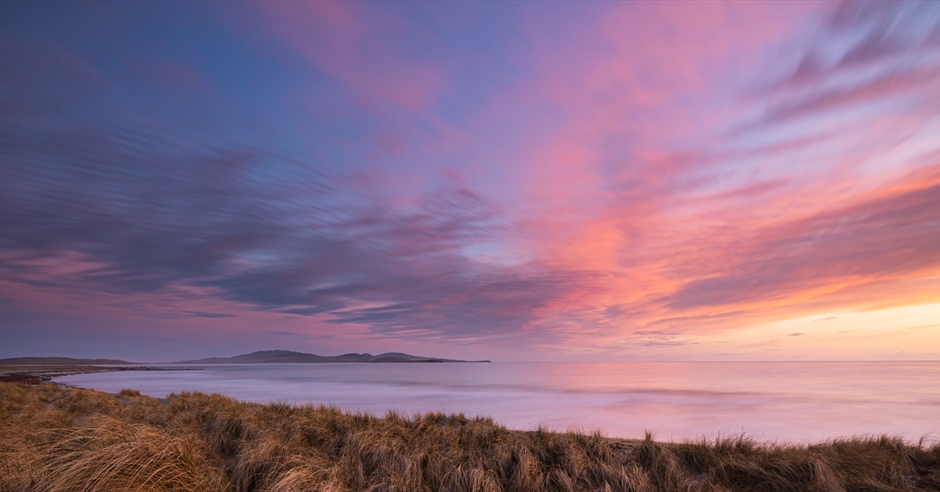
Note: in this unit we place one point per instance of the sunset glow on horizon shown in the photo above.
(506, 181)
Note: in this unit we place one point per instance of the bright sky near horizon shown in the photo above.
(511, 181)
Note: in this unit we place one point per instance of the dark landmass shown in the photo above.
(56, 439)
(59, 361)
(260, 357)
(287, 356)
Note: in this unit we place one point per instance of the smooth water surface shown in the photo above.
(770, 401)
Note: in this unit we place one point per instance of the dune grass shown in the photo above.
(66, 439)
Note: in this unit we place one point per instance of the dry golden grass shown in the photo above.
(65, 439)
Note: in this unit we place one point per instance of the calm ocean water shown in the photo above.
(770, 401)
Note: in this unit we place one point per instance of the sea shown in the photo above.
(782, 402)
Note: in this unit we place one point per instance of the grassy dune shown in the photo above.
(65, 439)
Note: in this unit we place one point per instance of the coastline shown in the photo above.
(40, 374)
(806, 403)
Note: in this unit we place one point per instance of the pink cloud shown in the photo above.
(634, 173)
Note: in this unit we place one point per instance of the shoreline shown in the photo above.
(34, 375)
(48, 374)
(44, 374)
(38, 375)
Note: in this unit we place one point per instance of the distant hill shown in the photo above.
(287, 356)
(58, 361)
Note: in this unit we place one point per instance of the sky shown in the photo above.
(512, 181)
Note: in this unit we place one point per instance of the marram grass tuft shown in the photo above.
(56, 439)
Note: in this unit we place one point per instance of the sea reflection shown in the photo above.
(771, 401)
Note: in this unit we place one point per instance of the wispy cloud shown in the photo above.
(291, 334)
(201, 314)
